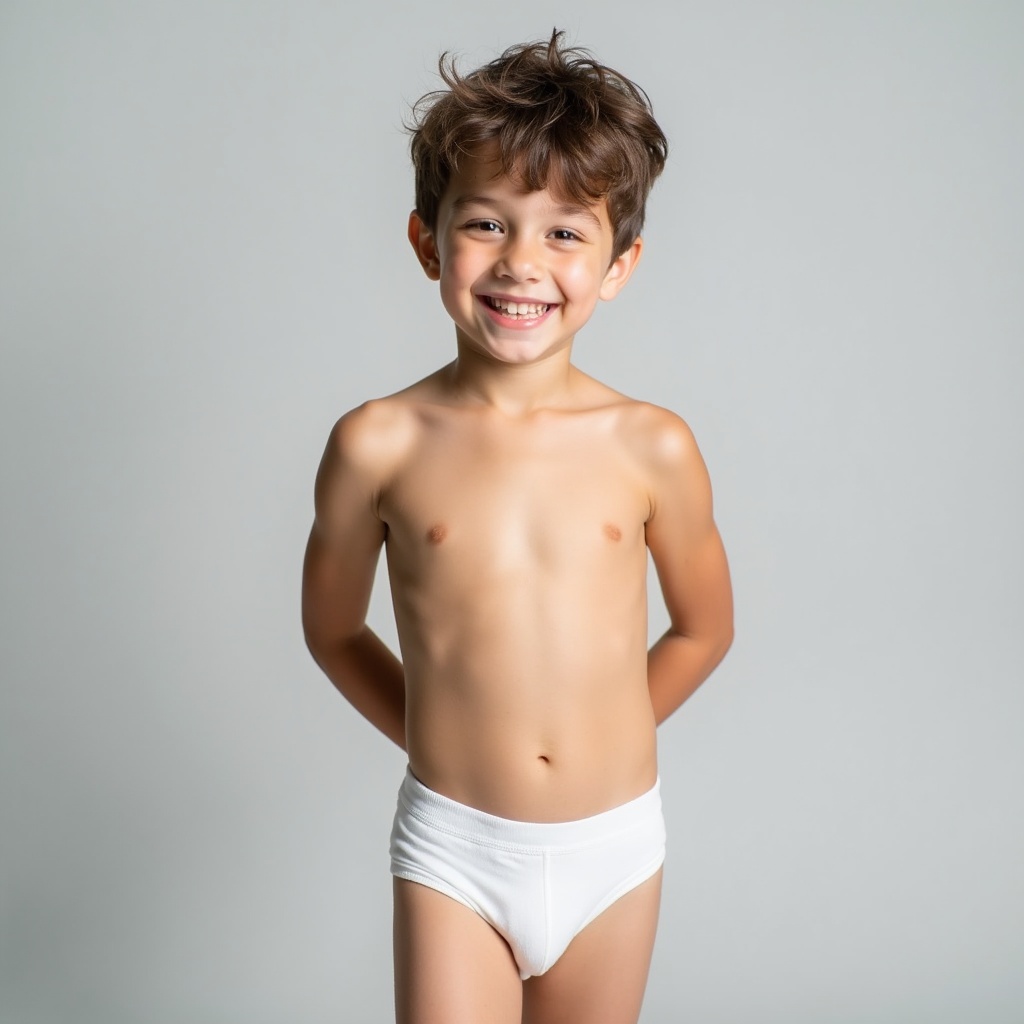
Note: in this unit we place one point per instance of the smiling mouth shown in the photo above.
(517, 310)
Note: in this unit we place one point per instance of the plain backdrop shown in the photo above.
(203, 264)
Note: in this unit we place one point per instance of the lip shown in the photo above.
(514, 323)
(528, 299)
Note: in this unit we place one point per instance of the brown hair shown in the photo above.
(555, 114)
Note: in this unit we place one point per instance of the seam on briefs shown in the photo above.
(439, 824)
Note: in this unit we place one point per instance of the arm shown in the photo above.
(338, 571)
(692, 569)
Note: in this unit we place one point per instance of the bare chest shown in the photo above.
(516, 500)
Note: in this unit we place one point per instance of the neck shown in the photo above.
(515, 389)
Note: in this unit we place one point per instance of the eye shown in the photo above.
(486, 226)
(565, 235)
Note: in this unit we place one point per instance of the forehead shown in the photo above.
(481, 178)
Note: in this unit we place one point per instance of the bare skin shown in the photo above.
(516, 498)
(600, 978)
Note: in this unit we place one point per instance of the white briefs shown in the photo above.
(538, 884)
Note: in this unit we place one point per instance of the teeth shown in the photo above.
(527, 309)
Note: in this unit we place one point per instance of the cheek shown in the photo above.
(461, 268)
(458, 276)
(453, 298)
(582, 281)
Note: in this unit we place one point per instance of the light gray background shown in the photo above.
(202, 216)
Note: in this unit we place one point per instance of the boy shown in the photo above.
(517, 498)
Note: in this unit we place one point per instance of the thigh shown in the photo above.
(451, 966)
(602, 975)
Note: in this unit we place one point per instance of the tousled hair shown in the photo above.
(557, 116)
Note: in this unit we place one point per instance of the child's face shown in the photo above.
(496, 244)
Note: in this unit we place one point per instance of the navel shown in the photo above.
(612, 532)
(437, 533)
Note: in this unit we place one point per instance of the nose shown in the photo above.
(520, 260)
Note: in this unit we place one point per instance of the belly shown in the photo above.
(534, 769)
(524, 639)
(531, 702)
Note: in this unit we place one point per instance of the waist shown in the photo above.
(543, 748)
(518, 777)
(462, 819)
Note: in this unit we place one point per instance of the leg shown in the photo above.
(451, 966)
(602, 975)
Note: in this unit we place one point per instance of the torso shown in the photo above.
(517, 561)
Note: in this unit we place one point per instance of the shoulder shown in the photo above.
(368, 443)
(660, 439)
(374, 431)
(380, 436)
(665, 452)
(650, 430)
(654, 438)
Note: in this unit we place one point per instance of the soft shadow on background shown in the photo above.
(202, 216)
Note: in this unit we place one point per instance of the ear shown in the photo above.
(622, 267)
(422, 240)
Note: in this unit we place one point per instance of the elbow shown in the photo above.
(727, 638)
(314, 644)
(310, 633)
(720, 647)
(322, 642)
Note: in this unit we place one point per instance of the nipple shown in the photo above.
(612, 532)
(437, 533)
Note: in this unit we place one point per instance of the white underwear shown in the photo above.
(538, 884)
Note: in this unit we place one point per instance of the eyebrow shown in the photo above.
(460, 202)
(563, 209)
(576, 210)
